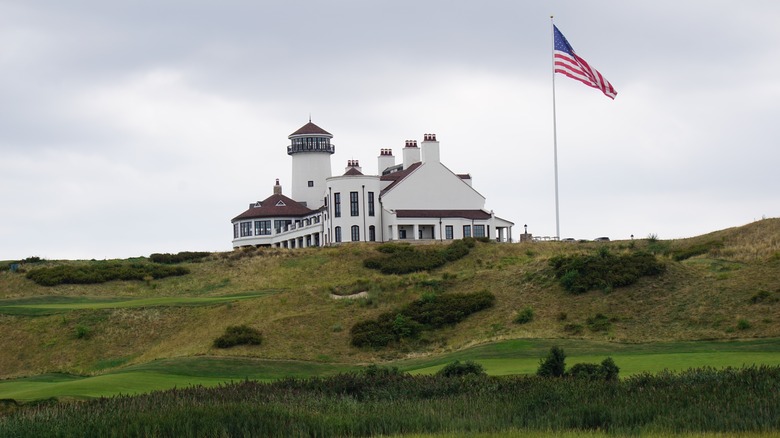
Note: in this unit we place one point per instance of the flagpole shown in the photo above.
(555, 135)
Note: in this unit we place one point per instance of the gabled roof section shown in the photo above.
(310, 129)
(467, 214)
(275, 206)
(353, 172)
(397, 177)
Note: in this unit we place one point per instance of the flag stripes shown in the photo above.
(569, 64)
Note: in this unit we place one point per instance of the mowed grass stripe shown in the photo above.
(58, 305)
(210, 371)
(101, 386)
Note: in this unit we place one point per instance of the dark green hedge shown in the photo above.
(404, 258)
(239, 335)
(101, 272)
(428, 313)
(580, 273)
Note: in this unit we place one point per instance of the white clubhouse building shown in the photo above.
(418, 199)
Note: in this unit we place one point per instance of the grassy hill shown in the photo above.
(723, 285)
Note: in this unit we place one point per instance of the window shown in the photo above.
(354, 209)
(311, 183)
(337, 204)
(467, 231)
(448, 232)
(355, 233)
(235, 231)
(246, 229)
(263, 228)
(479, 231)
(370, 203)
(281, 225)
(371, 234)
(401, 233)
(337, 232)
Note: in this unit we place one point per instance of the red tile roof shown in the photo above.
(275, 206)
(311, 128)
(467, 214)
(353, 172)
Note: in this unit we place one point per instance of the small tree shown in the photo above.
(609, 369)
(554, 365)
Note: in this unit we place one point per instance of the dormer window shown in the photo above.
(281, 204)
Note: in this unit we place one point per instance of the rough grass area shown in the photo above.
(381, 404)
(729, 292)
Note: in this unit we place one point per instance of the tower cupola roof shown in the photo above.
(310, 129)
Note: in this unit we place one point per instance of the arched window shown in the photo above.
(355, 233)
(337, 232)
(371, 234)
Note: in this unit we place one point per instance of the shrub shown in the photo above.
(610, 369)
(587, 371)
(184, 256)
(743, 324)
(101, 272)
(599, 323)
(572, 328)
(404, 258)
(429, 312)
(458, 369)
(375, 371)
(238, 335)
(83, 332)
(580, 273)
(554, 365)
(760, 297)
(607, 371)
(524, 316)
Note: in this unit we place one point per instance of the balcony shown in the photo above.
(297, 148)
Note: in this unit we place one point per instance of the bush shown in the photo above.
(101, 272)
(83, 332)
(524, 316)
(580, 273)
(573, 328)
(429, 312)
(599, 323)
(404, 258)
(238, 335)
(457, 369)
(607, 371)
(762, 296)
(184, 256)
(554, 365)
(375, 371)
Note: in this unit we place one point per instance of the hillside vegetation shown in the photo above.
(723, 285)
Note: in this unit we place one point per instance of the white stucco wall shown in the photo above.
(310, 166)
(345, 185)
(432, 187)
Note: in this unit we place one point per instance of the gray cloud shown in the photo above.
(134, 127)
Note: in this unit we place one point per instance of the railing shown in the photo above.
(295, 148)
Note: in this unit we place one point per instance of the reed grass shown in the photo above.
(357, 404)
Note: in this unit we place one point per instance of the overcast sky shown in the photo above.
(134, 127)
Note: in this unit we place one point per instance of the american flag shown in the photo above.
(568, 63)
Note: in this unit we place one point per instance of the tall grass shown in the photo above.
(370, 404)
